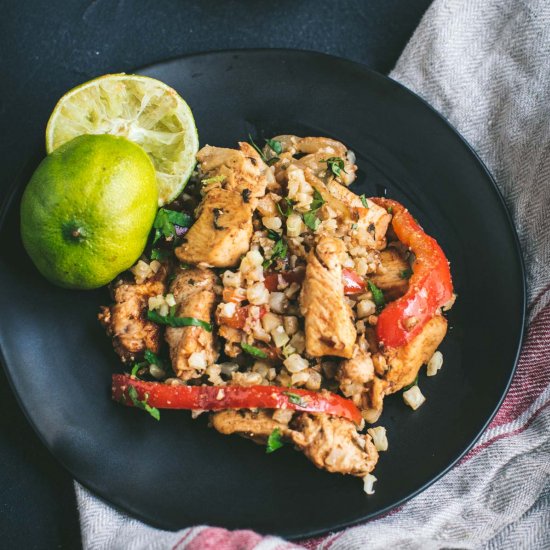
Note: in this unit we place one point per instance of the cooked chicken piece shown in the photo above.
(392, 276)
(373, 399)
(255, 425)
(125, 320)
(315, 152)
(355, 373)
(244, 170)
(222, 232)
(405, 362)
(370, 224)
(193, 290)
(328, 318)
(331, 443)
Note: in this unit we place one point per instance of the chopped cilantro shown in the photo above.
(165, 221)
(275, 146)
(405, 274)
(390, 209)
(254, 351)
(274, 441)
(173, 321)
(354, 225)
(136, 368)
(213, 179)
(273, 235)
(272, 146)
(288, 210)
(336, 165)
(414, 383)
(152, 358)
(160, 254)
(377, 296)
(294, 398)
(364, 201)
(153, 411)
(310, 218)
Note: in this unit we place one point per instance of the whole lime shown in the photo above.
(88, 209)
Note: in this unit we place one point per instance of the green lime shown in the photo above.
(88, 209)
(142, 109)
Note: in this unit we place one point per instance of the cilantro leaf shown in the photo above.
(317, 201)
(153, 411)
(136, 368)
(254, 351)
(173, 321)
(412, 384)
(336, 165)
(390, 209)
(406, 273)
(364, 201)
(377, 296)
(160, 254)
(165, 221)
(294, 398)
(275, 146)
(286, 213)
(152, 358)
(273, 235)
(311, 219)
(272, 144)
(274, 441)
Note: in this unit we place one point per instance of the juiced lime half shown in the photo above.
(142, 109)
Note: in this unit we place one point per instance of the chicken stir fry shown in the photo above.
(282, 302)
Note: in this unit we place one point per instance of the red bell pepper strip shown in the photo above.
(353, 283)
(271, 278)
(216, 398)
(430, 285)
(239, 319)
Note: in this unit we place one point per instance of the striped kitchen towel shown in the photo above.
(485, 65)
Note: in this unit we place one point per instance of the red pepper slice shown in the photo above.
(216, 398)
(430, 285)
(239, 319)
(271, 278)
(353, 283)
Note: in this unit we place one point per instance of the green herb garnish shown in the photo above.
(213, 179)
(414, 383)
(165, 221)
(390, 209)
(273, 235)
(336, 165)
(405, 274)
(153, 411)
(294, 398)
(274, 441)
(286, 213)
(275, 146)
(136, 368)
(173, 321)
(153, 359)
(271, 161)
(364, 201)
(377, 295)
(310, 217)
(254, 351)
(160, 254)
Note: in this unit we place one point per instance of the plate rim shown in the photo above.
(11, 192)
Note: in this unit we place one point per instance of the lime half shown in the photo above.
(142, 109)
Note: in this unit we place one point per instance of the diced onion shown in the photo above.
(379, 438)
(435, 363)
(368, 484)
(413, 397)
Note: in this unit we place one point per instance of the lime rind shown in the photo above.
(140, 108)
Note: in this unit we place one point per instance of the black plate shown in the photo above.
(177, 472)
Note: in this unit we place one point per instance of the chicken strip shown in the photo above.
(331, 443)
(222, 232)
(243, 171)
(405, 362)
(192, 348)
(125, 320)
(392, 276)
(328, 318)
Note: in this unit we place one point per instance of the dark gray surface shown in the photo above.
(48, 47)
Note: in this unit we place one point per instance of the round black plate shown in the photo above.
(177, 472)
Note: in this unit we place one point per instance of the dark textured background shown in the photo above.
(47, 48)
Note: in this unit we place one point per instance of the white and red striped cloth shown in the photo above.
(484, 64)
